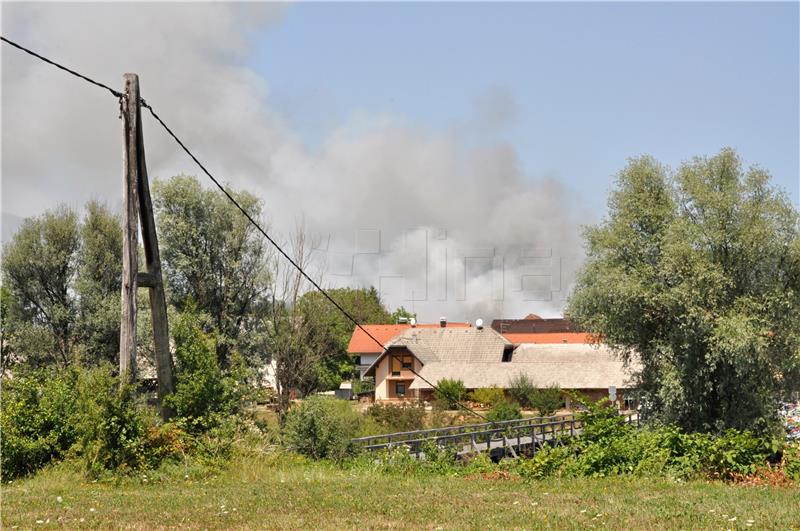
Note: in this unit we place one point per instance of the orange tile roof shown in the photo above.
(550, 337)
(361, 342)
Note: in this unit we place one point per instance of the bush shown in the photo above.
(547, 401)
(321, 427)
(791, 460)
(521, 389)
(112, 427)
(204, 395)
(487, 396)
(451, 392)
(504, 410)
(398, 417)
(36, 420)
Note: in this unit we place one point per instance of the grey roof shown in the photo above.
(450, 345)
(570, 366)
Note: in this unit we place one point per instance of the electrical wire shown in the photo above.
(241, 209)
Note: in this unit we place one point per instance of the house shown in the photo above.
(366, 350)
(483, 357)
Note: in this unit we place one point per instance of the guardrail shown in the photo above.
(509, 435)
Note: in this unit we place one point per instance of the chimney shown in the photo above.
(443, 322)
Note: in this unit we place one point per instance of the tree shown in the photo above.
(214, 260)
(400, 314)
(697, 273)
(39, 266)
(335, 329)
(99, 282)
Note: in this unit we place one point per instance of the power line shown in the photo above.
(240, 208)
(62, 67)
(285, 255)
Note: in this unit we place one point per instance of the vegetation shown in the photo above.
(487, 396)
(398, 417)
(547, 401)
(697, 272)
(321, 427)
(450, 392)
(281, 491)
(504, 410)
(521, 389)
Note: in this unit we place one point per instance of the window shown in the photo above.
(400, 362)
(400, 389)
(507, 355)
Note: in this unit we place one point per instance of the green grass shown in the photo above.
(286, 492)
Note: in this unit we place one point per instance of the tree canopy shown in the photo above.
(697, 273)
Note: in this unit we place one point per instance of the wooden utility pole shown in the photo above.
(137, 206)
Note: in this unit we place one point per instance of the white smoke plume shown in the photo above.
(444, 223)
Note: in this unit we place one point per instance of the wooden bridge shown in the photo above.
(498, 438)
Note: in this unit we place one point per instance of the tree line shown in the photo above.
(62, 278)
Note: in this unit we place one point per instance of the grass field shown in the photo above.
(283, 492)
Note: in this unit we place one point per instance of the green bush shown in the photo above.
(398, 417)
(36, 419)
(204, 394)
(521, 389)
(547, 400)
(791, 460)
(450, 392)
(112, 428)
(487, 396)
(321, 427)
(504, 410)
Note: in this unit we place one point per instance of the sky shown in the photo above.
(447, 153)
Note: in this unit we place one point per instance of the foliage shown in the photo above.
(791, 460)
(334, 330)
(547, 400)
(204, 393)
(39, 267)
(111, 427)
(401, 314)
(450, 392)
(504, 410)
(321, 427)
(98, 284)
(214, 259)
(697, 272)
(61, 284)
(38, 409)
(487, 396)
(521, 389)
(398, 417)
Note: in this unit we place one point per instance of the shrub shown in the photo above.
(204, 395)
(36, 419)
(546, 401)
(398, 417)
(791, 460)
(504, 410)
(321, 427)
(521, 389)
(451, 392)
(487, 396)
(112, 427)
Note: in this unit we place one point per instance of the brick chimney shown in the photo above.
(443, 322)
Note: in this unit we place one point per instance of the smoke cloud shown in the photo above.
(440, 224)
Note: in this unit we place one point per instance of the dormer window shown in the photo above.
(507, 353)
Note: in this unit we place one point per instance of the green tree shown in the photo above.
(401, 313)
(99, 282)
(333, 330)
(697, 273)
(214, 259)
(39, 267)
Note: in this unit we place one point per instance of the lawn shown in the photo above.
(277, 492)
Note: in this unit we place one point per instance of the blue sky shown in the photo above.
(586, 85)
